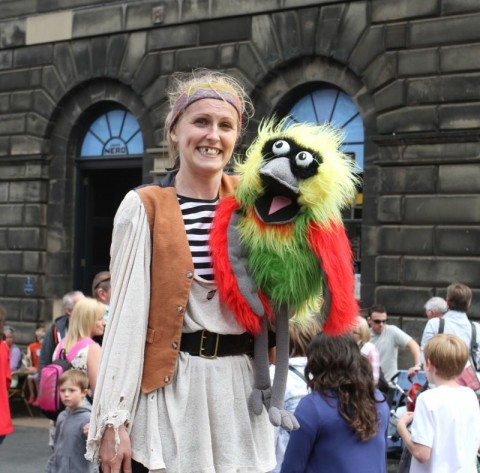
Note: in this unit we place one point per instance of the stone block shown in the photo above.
(228, 55)
(5, 101)
(442, 209)
(390, 97)
(445, 30)
(21, 101)
(12, 81)
(459, 116)
(438, 152)
(3, 240)
(388, 270)
(392, 10)
(402, 300)
(396, 36)
(6, 59)
(389, 209)
(308, 19)
(81, 51)
(458, 58)
(354, 23)
(51, 84)
(381, 70)
(33, 56)
(405, 240)
(370, 45)
(182, 36)
(288, 30)
(26, 145)
(3, 192)
(167, 62)
(37, 125)
(26, 239)
(115, 53)
(11, 124)
(450, 7)
(248, 61)
(12, 33)
(459, 178)
(97, 21)
(10, 215)
(35, 215)
(99, 54)
(197, 57)
(147, 71)
(441, 270)
(33, 261)
(11, 261)
(457, 240)
(28, 191)
(155, 94)
(31, 310)
(417, 62)
(408, 119)
(15, 285)
(327, 28)
(408, 179)
(43, 103)
(134, 53)
(64, 64)
(225, 30)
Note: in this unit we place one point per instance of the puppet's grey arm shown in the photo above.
(279, 416)
(238, 261)
(273, 398)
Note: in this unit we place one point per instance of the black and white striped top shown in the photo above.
(198, 216)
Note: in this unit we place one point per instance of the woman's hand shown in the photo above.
(120, 462)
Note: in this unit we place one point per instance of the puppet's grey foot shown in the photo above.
(260, 398)
(282, 418)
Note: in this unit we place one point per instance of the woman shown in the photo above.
(86, 322)
(175, 395)
(343, 421)
(6, 426)
(361, 334)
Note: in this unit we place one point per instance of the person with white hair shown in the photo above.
(435, 307)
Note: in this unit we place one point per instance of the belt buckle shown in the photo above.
(202, 348)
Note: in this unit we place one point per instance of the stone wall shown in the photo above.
(410, 66)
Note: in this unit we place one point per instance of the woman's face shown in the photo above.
(205, 136)
(99, 324)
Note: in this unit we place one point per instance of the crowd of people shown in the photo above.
(140, 395)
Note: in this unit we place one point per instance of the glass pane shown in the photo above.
(324, 101)
(115, 133)
(303, 110)
(345, 110)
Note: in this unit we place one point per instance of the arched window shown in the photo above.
(329, 104)
(114, 134)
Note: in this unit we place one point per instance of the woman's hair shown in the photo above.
(183, 85)
(82, 321)
(362, 330)
(459, 297)
(301, 334)
(336, 369)
(448, 353)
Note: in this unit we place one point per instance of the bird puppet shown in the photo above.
(279, 247)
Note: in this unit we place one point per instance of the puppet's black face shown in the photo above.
(286, 164)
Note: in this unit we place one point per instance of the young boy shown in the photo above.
(445, 432)
(70, 440)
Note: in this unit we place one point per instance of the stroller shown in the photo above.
(402, 399)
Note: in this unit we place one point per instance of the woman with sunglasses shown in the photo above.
(388, 339)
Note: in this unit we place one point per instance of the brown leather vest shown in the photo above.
(171, 272)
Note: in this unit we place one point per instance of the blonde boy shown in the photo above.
(445, 432)
(70, 440)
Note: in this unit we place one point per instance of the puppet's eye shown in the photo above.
(280, 147)
(304, 159)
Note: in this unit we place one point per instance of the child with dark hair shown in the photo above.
(343, 421)
(445, 432)
(70, 439)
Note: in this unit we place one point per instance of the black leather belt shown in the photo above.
(210, 345)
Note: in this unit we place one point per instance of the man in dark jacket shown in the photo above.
(58, 329)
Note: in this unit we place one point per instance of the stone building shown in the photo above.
(82, 105)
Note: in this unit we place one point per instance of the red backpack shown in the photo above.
(49, 390)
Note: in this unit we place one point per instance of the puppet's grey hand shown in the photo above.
(282, 418)
(260, 398)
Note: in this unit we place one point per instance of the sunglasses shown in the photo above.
(378, 322)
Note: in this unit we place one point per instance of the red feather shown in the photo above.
(332, 248)
(227, 285)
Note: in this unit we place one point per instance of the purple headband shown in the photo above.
(205, 91)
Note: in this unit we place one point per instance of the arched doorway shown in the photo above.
(109, 164)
